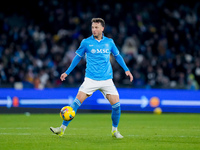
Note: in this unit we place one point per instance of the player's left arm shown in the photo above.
(120, 60)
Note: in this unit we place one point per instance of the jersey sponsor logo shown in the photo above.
(100, 51)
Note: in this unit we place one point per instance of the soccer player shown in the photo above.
(97, 49)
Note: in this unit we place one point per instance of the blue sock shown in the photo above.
(116, 112)
(75, 105)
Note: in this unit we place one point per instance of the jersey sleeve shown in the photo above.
(74, 62)
(114, 49)
(118, 57)
(121, 62)
(81, 50)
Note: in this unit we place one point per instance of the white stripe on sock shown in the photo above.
(77, 102)
(116, 105)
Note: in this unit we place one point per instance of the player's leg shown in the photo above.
(81, 96)
(110, 92)
(116, 113)
(86, 89)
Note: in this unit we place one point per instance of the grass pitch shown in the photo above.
(93, 132)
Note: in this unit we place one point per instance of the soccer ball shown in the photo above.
(67, 113)
(157, 111)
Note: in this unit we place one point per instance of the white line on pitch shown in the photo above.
(14, 128)
(181, 136)
(15, 134)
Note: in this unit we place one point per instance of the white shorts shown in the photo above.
(89, 86)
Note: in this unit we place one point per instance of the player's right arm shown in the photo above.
(79, 54)
(63, 76)
(75, 61)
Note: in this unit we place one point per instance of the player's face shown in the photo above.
(97, 29)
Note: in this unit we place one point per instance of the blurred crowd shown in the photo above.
(159, 41)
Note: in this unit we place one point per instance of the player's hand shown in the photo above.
(128, 73)
(63, 76)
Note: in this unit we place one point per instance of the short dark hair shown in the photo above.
(98, 20)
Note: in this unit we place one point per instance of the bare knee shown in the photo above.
(113, 99)
(81, 96)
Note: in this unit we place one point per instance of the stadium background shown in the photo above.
(159, 41)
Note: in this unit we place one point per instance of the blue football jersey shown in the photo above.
(97, 53)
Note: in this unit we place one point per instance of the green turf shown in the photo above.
(92, 131)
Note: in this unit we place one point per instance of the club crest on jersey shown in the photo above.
(100, 51)
(93, 51)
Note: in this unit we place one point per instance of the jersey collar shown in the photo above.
(97, 40)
